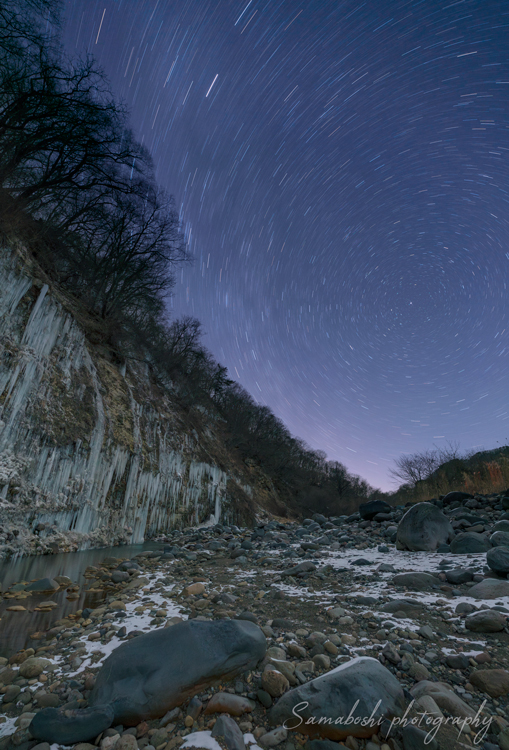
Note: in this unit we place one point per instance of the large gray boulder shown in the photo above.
(148, 675)
(368, 511)
(490, 588)
(486, 621)
(469, 542)
(423, 528)
(498, 559)
(360, 689)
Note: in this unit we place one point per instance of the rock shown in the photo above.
(485, 621)
(228, 730)
(323, 745)
(416, 739)
(453, 497)
(47, 700)
(271, 739)
(490, 588)
(235, 705)
(194, 589)
(457, 661)
(368, 511)
(33, 667)
(501, 526)
(43, 585)
(264, 698)
(126, 742)
(76, 726)
(418, 672)
(146, 676)
(304, 567)
(353, 689)
(63, 580)
(118, 576)
(458, 576)
(495, 682)
(498, 559)
(444, 696)
(423, 528)
(469, 542)
(408, 606)
(274, 682)
(418, 581)
(335, 613)
(426, 632)
(500, 539)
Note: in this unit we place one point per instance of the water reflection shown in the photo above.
(17, 627)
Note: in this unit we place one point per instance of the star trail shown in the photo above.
(342, 172)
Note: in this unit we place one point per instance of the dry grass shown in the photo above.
(481, 477)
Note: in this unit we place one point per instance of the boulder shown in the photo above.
(458, 576)
(418, 581)
(469, 542)
(368, 511)
(304, 567)
(444, 696)
(423, 528)
(408, 606)
(495, 682)
(228, 703)
(349, 700)
(33, 667)
(485, 621)
(501, 526)
(490, 588)
(228, 730)
(453, 497)
(500, 539)
(147, 676)
(498, 559)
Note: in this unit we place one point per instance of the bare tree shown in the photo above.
(416, 467)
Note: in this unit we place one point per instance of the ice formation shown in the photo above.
(83, 458)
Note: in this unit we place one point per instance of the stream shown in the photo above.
(16, 627)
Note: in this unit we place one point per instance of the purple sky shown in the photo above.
(342, 170)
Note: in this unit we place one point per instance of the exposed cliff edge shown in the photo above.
(92, 453)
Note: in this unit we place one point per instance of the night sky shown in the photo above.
(342, 170)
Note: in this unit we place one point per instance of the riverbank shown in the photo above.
(319, 607)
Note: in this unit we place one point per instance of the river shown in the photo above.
(16, 627)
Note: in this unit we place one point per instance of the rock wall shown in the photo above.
(91, 453)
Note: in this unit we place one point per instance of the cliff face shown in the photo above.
(94, 454)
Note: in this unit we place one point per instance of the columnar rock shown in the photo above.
(423, 528)
(148, 675)
(328, 706)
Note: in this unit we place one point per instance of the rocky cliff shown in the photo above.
(94, 453)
